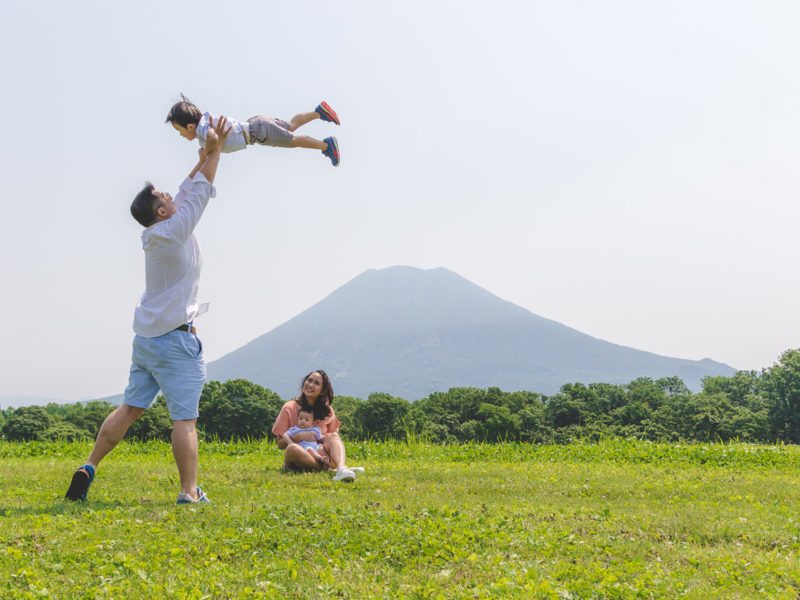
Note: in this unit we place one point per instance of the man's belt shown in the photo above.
(189, 328)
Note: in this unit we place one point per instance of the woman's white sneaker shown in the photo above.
(344, 475)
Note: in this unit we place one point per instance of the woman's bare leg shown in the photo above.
(296, 458)
(335, 449)
(317, 456)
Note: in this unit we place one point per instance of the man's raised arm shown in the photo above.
(201, 153)
(193, 196)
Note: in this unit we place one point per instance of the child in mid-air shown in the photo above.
(305, 422)
(191, 123)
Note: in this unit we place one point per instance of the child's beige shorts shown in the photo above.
(269, 131)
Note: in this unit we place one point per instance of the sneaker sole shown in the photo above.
(79, 486)
(330, 113)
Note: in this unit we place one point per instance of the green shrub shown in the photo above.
(382, 416)
(65, 431)
(238, 409)
(154, 424)
(26, 423)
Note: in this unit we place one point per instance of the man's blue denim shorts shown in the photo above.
(173, 363)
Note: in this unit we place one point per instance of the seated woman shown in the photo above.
(316, 394)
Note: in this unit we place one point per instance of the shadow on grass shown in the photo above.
(66, 507)
(285, 471)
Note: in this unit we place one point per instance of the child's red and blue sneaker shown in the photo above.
(332, 150)
(326, 113)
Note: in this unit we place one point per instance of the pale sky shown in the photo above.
(627, 168)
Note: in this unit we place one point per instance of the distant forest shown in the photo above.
(748, 406)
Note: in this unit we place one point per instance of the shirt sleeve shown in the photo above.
(283, 421)
(190, 202)
(185, 187)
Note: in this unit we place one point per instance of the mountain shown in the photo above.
(410, 332)
(17, 401)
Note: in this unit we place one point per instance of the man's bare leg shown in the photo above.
(112, 431)
(184, 449)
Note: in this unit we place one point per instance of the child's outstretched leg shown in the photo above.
(269, 131)
(323, 111)
(329, 146)
(304, 141)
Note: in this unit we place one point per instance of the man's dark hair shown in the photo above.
(183, 113)
(144, 205)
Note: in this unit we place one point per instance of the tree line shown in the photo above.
(748, 406)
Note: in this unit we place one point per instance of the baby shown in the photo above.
(305, 422)
(191, 123)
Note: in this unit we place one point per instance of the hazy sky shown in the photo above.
(627, 168)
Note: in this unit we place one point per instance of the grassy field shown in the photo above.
(615, 519)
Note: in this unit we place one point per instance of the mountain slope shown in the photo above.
(410, 332)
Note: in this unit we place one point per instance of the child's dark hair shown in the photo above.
(306, 409)
(144, 205)
(184, 113)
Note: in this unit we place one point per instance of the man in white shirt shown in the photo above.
(167, 353)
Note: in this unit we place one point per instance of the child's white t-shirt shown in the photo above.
(236, 138)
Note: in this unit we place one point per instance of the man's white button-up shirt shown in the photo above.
(173, 263)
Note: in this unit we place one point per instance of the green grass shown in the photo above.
(615, 519)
